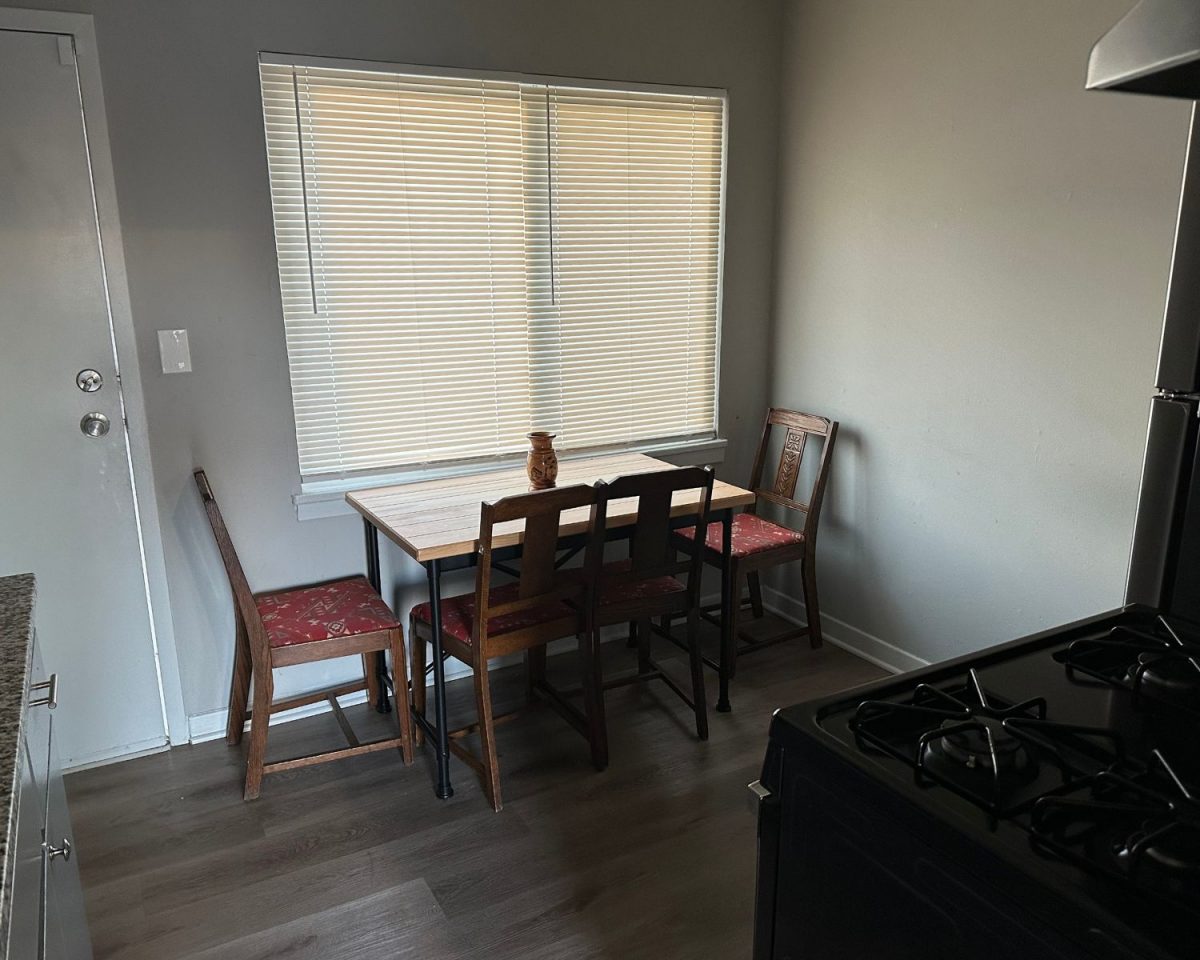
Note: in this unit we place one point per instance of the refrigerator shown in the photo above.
(1164, 563)
(1155, 50)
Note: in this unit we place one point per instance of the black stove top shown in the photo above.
(1076, 754)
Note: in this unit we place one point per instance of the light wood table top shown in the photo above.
(436, 519)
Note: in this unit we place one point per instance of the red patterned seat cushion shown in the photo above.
(344, 608)
(635, 589)
(630, 589)
(750, 534)
(459, 612)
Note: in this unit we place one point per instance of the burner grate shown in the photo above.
(1152, 665)
(984, 748)
(1135, 823)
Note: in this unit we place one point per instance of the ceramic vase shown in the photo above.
(542, 464)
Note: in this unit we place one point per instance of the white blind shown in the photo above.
(464, 260)
(635, 186)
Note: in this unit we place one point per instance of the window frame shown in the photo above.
(316, 492)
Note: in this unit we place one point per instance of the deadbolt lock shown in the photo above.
(89, 380)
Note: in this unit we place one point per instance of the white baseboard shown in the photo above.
(841, 634)
(128, 751)
(203, 727)
(211, 726)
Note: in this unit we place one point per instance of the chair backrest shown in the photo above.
(800, 427)
(243, 599)
(665, 499)
(540, 582)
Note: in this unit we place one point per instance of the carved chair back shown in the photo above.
(800, 428)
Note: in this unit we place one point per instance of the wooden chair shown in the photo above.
(300, 625)
(647, 585)
(758, 543)
(542, 605)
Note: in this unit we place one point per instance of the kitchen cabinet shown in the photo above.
(43, 910)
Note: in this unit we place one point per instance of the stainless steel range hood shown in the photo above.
(1154, 49)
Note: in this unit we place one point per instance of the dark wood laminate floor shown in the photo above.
(654, 858)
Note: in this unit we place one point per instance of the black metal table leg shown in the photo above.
(441, 737)
(371, 536)
(727, 601)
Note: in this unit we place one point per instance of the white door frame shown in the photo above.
(80, 26)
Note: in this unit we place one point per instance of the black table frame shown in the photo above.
(437, 731)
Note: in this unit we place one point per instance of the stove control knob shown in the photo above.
(759, 797)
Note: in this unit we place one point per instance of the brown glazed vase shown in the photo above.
(542, 464)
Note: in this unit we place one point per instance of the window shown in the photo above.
(465, 259)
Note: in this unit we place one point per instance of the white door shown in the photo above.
(67, 511)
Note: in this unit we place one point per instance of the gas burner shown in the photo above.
(1168, 676)
(1169, 852)
(987, 749)
(982, 744)
(972, 739)
(1154, 665)
(1140, 824)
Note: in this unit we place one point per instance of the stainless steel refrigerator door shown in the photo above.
(1179, 353)
(1167, 478)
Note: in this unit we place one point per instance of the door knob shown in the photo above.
(94, 424)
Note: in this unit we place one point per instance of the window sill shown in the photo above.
(327, 498)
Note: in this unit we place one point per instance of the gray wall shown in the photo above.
(971, 265)
(969, 270)
(186, 126)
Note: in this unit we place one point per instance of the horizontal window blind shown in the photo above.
(635, 182)
(464, 260)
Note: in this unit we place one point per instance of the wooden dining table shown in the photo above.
(436, 522)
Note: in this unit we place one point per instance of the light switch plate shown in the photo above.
(174, 351)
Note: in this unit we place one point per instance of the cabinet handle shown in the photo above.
(51, 687)
(55, 852)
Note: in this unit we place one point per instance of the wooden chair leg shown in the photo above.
(418, 680)
(487, 735)
(592, 677)
(755, 584)
(695, 656)
(812, 610)
(371, 675)
(632, 640)
(260, 718)
(729, 632)
(239, 685)
(643, 646)
(400, 694)
(535, 671)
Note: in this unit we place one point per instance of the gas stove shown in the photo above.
(1056, 779)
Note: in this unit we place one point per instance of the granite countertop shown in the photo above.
(16, 644)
